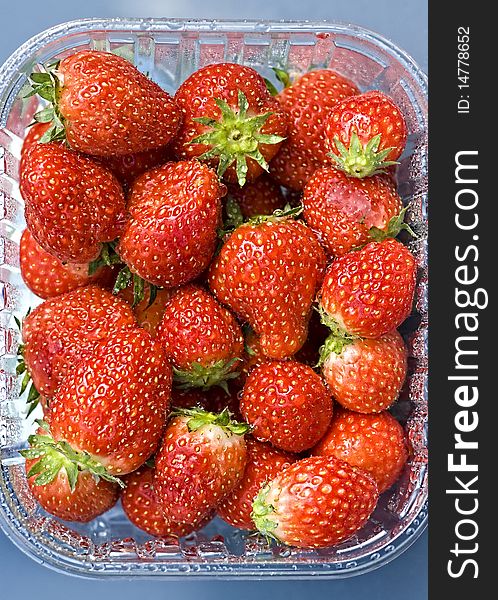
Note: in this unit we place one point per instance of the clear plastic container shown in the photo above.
(169, 50)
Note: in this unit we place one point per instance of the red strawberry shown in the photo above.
(128, 167)
(342, 211)
(308, 102)
(56, 332)
(112, 408)
(147, 313)
(287, 404)
(72, 203)
(365, 134)
(315, 503)
(369, 292)
(263, 464)
(144, 511)
(47, 276)
(35, 132)
(292, 168)
(201, 338)
(267, 272)
(172, 232)
(262, 197)
(365, 375)
(231, 120)
(69, 495)
(104, 106)
(200, 462)
(374, 443)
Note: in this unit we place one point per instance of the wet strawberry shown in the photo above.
(112, 408)
(230, 120)
(144, 511)
(365, 375)
(87, 500)
(201, 338)
(369, 292)
(46, 276)
(365, 134)
(342, 210)
(263, 464)
(200, 462)
(267, 272)
(72, 203)
(308, 102)
(56, 332)
(172, 231)
(287, 404)
(374, 443)
(315, 503)
(104, 106)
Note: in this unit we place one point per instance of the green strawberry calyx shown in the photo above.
(283, 78)
(393, 229)
(199, 418)
(336, 341)
(46, 84)
(261, 514)
(288, 212)
(33, 397)
(56, 455)
(205, 377)
(234, 217)
(109, 257)
(361, 160)
(235, 138)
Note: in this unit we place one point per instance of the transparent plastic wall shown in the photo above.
(169, 51)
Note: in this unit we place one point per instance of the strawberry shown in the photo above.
(369, 292)
(149, 311)
(72, 203)
(287, 404)
(267, 272)
(262, 197)
(128, 167)
(263, 464)
(108, 415)
(308, 102)
(46, 276)
(201, 461)
(64, 492)
(141, 506)
(35, 133)
(346, 213)
(365, 134)
(230, 120)
(292, 168)
(316, 502)
(104, 106)
(365, 375)
(56, 332)
(172, 231)
(374, 443)
(201, 338)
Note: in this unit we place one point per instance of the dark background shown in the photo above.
(403, 22)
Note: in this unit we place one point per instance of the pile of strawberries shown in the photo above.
(222, 290)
